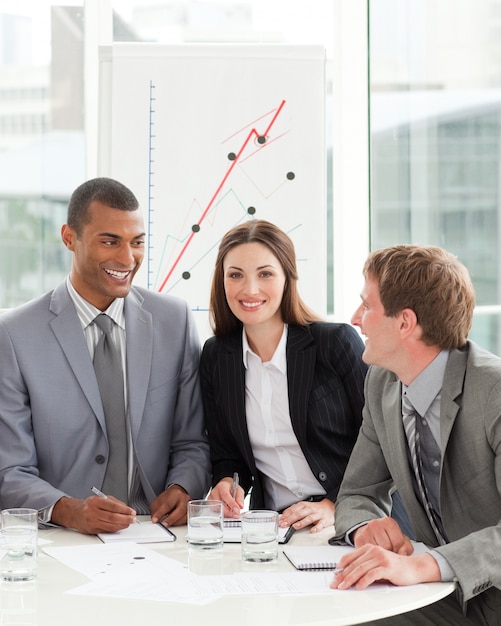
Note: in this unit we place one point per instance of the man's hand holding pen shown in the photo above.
(229, 491)
(95, 514)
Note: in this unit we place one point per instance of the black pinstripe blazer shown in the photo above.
(325, 377)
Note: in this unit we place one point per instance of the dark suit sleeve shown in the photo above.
(336, 402)
(223, 390)
(344, 349)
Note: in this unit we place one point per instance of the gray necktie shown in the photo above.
(109, 373)
(409, 420)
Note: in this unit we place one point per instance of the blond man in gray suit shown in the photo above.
(431, 428)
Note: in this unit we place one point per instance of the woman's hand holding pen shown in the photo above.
(231, 495)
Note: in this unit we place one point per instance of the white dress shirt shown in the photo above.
(277, 453)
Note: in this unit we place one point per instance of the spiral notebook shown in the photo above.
(232, 532)
(314, 558)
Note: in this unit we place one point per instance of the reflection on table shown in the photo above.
(47, 603)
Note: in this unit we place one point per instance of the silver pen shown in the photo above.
(235, 485)
(100, 494)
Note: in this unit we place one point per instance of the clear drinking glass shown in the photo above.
(259, 536)
(18, 544)
(205, 524)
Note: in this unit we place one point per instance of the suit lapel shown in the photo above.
(139, 329)
(232, 385)
(397, 443)
(66, 327)
(301, 355)
(452, 388)
(396, 455)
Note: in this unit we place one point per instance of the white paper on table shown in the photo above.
(193, 589)
(136, 572)
(118, 559)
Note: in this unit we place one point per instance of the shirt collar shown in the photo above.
(87, 311)
(279, 359)
(425, 387)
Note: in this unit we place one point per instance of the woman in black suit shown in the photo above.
(283, 390)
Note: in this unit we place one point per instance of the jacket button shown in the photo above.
(100, 459)
(322, 476)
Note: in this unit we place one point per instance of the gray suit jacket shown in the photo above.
(52, 430)
(470, 481)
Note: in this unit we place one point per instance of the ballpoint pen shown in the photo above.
(235, 485)
(99, 493)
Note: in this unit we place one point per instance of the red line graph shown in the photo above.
(252, 133)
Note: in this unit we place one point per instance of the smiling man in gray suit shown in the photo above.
(432, 428)
(54, 443)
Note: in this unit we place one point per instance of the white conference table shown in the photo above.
(45, 603)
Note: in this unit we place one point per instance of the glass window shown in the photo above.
(42, 142)
(435, 79)
(47, 80)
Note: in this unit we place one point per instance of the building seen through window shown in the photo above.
(435, 137)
